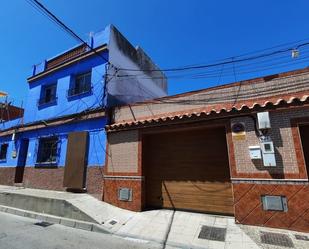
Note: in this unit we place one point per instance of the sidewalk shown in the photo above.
(172, 228)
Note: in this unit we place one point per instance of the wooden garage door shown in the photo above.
(304, 134)
(188, 170)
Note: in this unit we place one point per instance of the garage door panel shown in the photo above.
(188, 170)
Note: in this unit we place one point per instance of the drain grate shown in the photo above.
(301, 237)
(276, 239)
(43, 224)
(112, 222)
(212, 233)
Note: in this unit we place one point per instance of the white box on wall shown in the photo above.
(255, 152)
(268, 151)
(263, 120)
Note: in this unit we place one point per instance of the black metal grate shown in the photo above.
(276, 239)
(212, 233)
(113, 222)
(43, 224)
(301, 237)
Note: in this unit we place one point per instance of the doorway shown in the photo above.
(188, 170)
(21, 161)
(76, 161)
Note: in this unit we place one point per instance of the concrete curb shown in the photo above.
(55, 220)
(159, 242)
(87, 226)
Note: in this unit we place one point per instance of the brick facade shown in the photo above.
(42, 178)
(112, 185)
(281, 135)
(7, 176)
(52, 179)
(122, 152)
(250, 179)
(123, 169)
(248, 207)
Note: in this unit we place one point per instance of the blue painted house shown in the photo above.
(59, 143)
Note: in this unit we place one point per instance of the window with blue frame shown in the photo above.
(48, 94)
(81, 84)
(47, 151)
(3, 151)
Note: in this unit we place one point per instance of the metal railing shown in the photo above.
(44, 101)
(87, 88)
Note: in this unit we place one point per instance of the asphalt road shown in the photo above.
(20, 233)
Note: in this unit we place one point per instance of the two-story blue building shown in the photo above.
(59, 143)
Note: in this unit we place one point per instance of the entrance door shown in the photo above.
(188, 170)
(76, 161)
(21, 161)
(304, 134)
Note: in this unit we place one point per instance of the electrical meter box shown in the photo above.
(263, 120)
(255, 152)
(268, 153)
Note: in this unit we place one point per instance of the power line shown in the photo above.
(229, 61)
(43, 10)
(223, 62)
(227, 71)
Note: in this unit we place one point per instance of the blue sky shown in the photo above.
(172, 32)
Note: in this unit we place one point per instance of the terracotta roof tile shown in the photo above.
(210, 110)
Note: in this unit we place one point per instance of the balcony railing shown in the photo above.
(74, 91)
(66, 56)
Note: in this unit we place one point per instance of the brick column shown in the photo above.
(123, 170)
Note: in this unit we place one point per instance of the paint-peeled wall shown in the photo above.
(137, 77)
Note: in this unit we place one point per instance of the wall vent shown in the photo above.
(125, 194)
(274, 203)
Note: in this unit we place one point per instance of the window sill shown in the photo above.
(2, 160)
(79, 95)
(43, 105)
(46, 165)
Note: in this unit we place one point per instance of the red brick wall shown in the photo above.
(282, 135)
(7, 175)
(250, 180)
(94, 182)
(249, 210)
(111, 186)
(52, 179)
